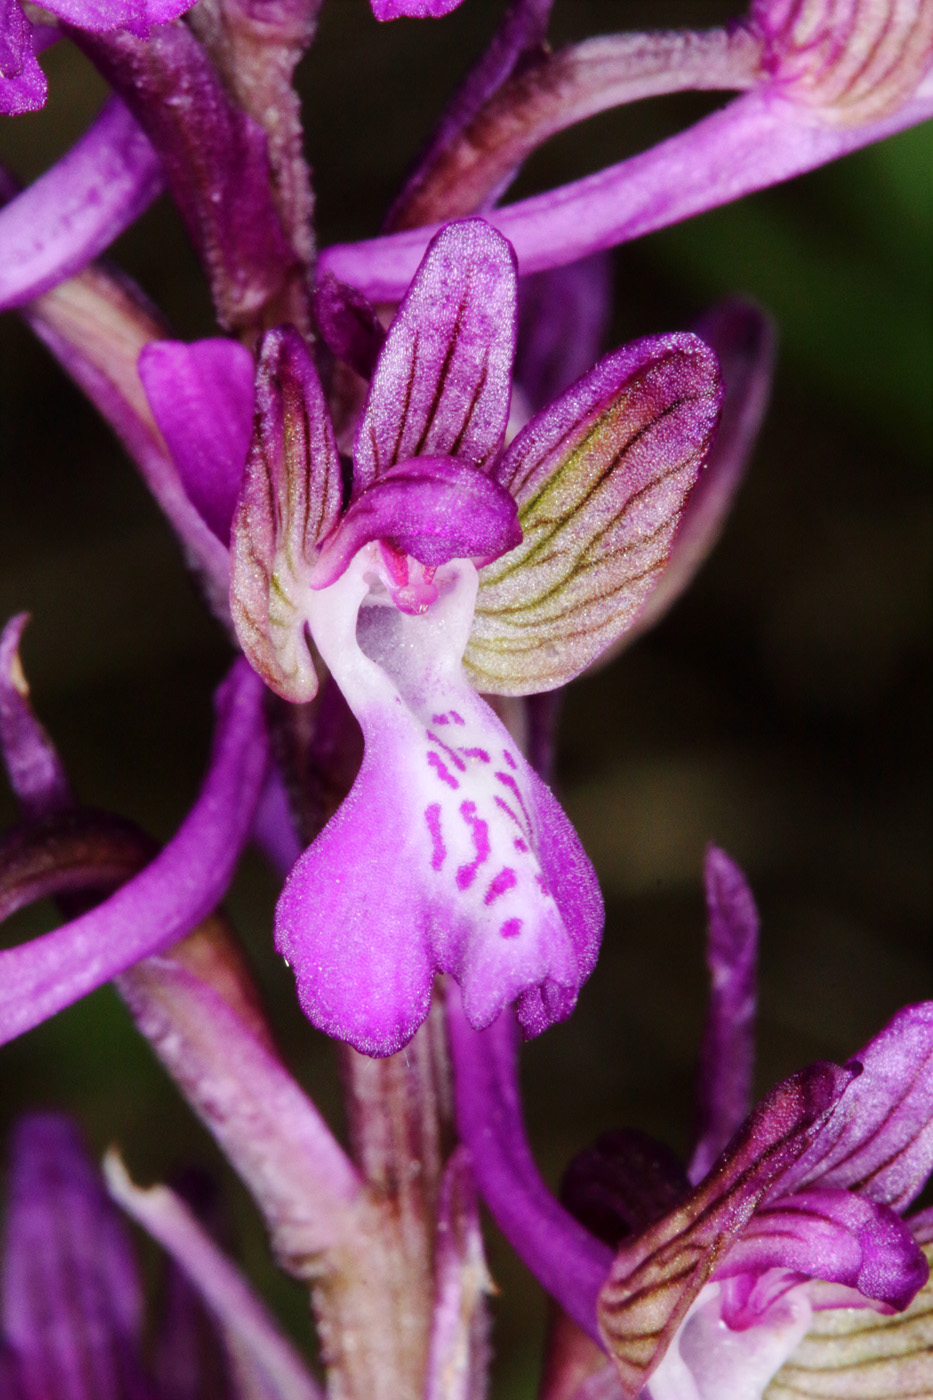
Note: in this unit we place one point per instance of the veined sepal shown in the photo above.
(289, 500)
(852, 61)
(600, 478)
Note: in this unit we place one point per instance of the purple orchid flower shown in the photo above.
(455, 567)
(71, 1304)
(817, 79)
(23, 86)
(797, 1210)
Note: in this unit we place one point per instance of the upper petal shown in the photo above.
(433, 508)
(836, 1236)
(442, 381)
(880, 1140)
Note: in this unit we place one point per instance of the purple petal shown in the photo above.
(522, 32)
(880, 1140)
(562, 1255)
(441, 386)
(72, 1303)
(23, 87)
(470, 868)
(253, 1333)
(169, 897)
(727, 1056)
(836, 1236)
(415, 9)
(743, 340)
(756, 141)
(201, 397)
(656, 1276)
(563, 316)
(458, 1358)
(290, 499)
(96, 325)
(600, 478)
(349, 326)
(216, 165)
(135, 16)
(433, 508)
(34, 768)
(75, 210)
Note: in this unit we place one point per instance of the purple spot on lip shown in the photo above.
(451, 717)
(452, 754)
(480, 833)
(518, 843)
(432, 816)
(508, 781)
(510, 928)
(504, 806)
(481, 754)
(437, 763)
(509, 759)
(500, 884)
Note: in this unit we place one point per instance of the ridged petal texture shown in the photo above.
(441, 385)
(289, 500)
(853, 1354)
(853, 60)
(600, 478)
(449, 853)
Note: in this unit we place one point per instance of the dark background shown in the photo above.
(782, 709)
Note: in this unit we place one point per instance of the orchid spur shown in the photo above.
(455, 566)
(720, 1270)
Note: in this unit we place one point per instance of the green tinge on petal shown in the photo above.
(858, 1354)
(289, 500)
(600, 479)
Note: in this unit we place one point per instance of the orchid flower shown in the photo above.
(455, 567)
(817, 79)
(718, 1272)
(23, 86)
(71, 1303)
